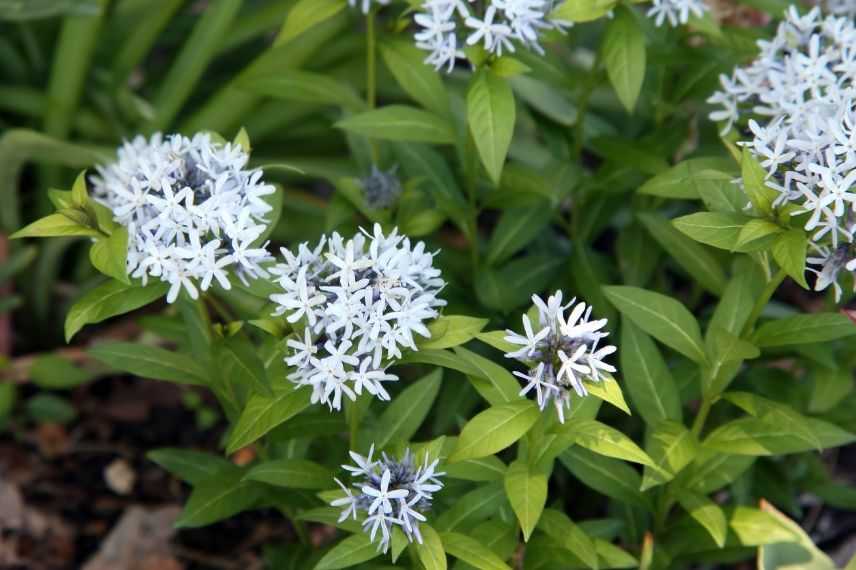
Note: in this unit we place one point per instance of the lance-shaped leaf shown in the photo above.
(491, 115)
(527, 492)
(495, 429)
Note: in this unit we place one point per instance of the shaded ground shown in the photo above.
(85, 496)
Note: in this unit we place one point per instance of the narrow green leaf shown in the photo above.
(421, 82)
(651, 386)
(707, 513)
(624, 55)
(516, 228)
(150, 362)
(800, 553)
(291, 473)
(495, 429)
(450, 331)
(108, 300)
(527, 492)
(109, 254)
(804, 329)
(430, 551)
(560, 528)
(194, 467)
(672, 447)
(217, 498)
(353, 550)
(475, 506)
(306, 14)
(693, 257)
(608, 476)
(471, 551)
(408, 410)
(719, 229)
(498, 385)
(491, 116)
(240, 363)
(662, 317)
(684, 179)
(56, 225)
(789, 251)
(400, 123)
(755, 185)
(305, 87)
(263, 413)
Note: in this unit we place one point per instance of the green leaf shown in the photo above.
(495, 429)
(79, 193)
(264, 412)
(830, 387)
(292, 473)
(651, 386)
(488, 468)
(608, 476)
(695, 259)
(624, 56)
(755, 185)
(711, 471)
(109, 254)
(725, 349)
(516, 228)
(803, 329)
(49, 408)
(306, 14)
(450, 331)
(755, 527)
(475, 506)
(736, 303)
(527, 492)
(719, 229)
(560, 528)
(56, 225)
(609, 391)
(672, 447)
(239, 362)
(493, 382)
(491, 116)
(193, 467)
(108, 300)
(799, 554)
(305, 87)
(421, 82)
(353, 550)
(217, 498)
(582, 10)
(765, 436)
(430, 551)
(707, 513)
(662, 317)
(408, 410)
(605, 440)
(511, 286)
(471, 551)
(685, 179)
(150, 362)
(789, 251)
(757, 234)
(400, 123)
(53, 372)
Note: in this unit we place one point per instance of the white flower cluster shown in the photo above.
(561, 353)
(497, 27)
(677, 12)
(797, 98)
(391, 493)
(840, 7)
(361, 300)
(192, 209)
(366, 5)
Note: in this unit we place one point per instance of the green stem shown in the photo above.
(371, 74)
(701, 417)
(762, 301)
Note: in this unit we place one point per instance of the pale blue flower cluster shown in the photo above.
(390, 493)
(193, 210)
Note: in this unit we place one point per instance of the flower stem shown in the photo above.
(371, 73)
(762, 301)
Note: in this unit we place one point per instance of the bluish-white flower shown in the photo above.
(797, 100)
(497, 25)
(676, 12)
(362, 302)
(193, 210)
(390, 492)
(561, 352)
